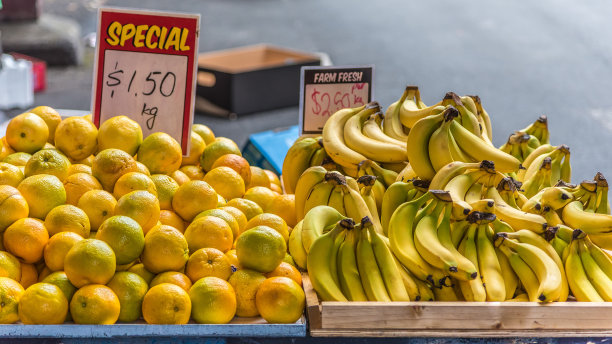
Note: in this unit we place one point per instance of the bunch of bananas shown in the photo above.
(454, 218)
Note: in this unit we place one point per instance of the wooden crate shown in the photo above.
(456, 319)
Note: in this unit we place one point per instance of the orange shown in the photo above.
(141, 271)
(120, 132)
(261, 195)
(273, 221)
(236, 163)
(87, 161)
(249, 208)
(26, 239)
(48, 161)
(276, 188)
(140, 167)
(166, 187)
(27, 133)
(165, 250)
(258, 178)
(289, 260)
(208, 262)
(204, 132)
(130, 290)
(133, 181)
(125, 267)
(238, 215)
(10, 294)
(192, 171)
(124, 236)
(43, 192)
(88, 117)
(79, 168)
(99, 205)
(173, 277)
(196, 147)
(95, 304)
(180, 177)
(225, 216)
(9, 266)
(213, 301)
(44, 273)
(29, 275)
(170, 218)
(43, 304)
(76, 137)
(67, 218)
(284, 206)
(286, 270)
(233, 259)
(5, 149)
(280, 300)
(209, 231)
(261, 249)
(10, 174)
(19, 159)
(57, 248)
(183, 199)
(221, 201)
(246, 283)
(110, 164)
(90, 261)
(60, 279)
(166, 303)
(215, 150)
(226, 182)
(12, 206)
(274, 180)
(141, 206)
(51, 117)
(160, 153)
(78, 184)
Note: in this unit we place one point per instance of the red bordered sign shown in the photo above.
(145, 67)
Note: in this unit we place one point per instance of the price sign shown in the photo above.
(325, 90)
(145, 69)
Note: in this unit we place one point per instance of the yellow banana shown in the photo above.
(319, 195)
(581, 287)
(485, 117)
(417, 145)
(336, 199)
(466, 119)
(595, 273)
(539, 127)
(348, 273)
(591, 223)
(465, 268)
(406, 174)
(319, 155)
(366, 183)
(510, 278)
(320, 258)
(395, 195)
(333, 137)
(369, 270)
(410, 112)
(392, 126)
(371, 128)
(311, 177)
(316, 221)
(488, 265)
(297, 161)
(528, 278)
(439, 142)
(472, 290)
(295, 246)
(356, 207)
(518, 219)
(450, 171)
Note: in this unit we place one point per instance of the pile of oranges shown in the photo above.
(102, 225)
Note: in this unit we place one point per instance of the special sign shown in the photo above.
(145, 69)
(325, 90)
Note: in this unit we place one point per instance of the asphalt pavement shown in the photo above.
(524, 58)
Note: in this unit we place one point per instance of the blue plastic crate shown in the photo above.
(268, 148)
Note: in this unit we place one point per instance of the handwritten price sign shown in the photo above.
(145, 69)
(326, 90)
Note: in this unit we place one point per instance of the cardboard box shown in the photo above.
(252, 78)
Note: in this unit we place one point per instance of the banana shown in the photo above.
(458, 231)
(475, 193)
(406, 174)
(528, 278)
(581, 287)
(367, 182)
(401, 239)
(555, 158)
(539, 180)
(539, 129)
(319, 195)
(369, 270)
(410, 283)
(371, 128)
(488, 265)
(320, 258)
(566, 169)
(528, 237)
(386, 176)
(410, 112)
(425, 289)
(591, 223)
(543, 149)
(602, 194)
(417, 145)
(386, 263)
(395, 195)
(499, 226)
(295, 246)
(392, 126)
(370, 148)
(519, 298)
(439, 142)
(465, 268)
(348, 273)
(486, 205)
(466, 119)
(479, 150)
(356, 207)
(311, 177)
(297, 161)
(554, 197)
(485, 117)
(333, 137)
(336, 199)
(352, 183)
(446, 293)
(511, 280)
(459, 186)
(319, 155)
(601, 258)
(472, 290)
(518, 219)
(450, 171)
(316, 221)
(378, 192)
(543, 266)
(599, 279)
